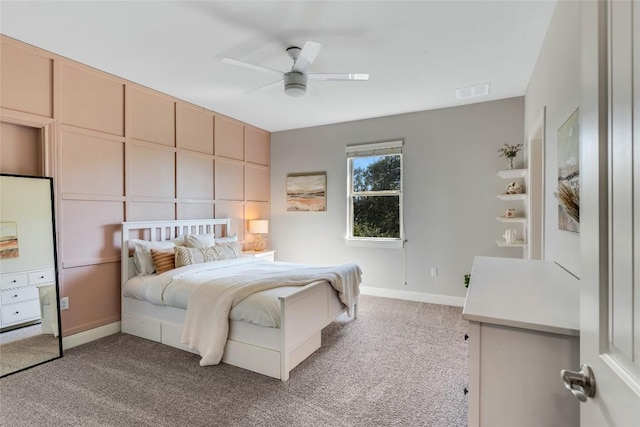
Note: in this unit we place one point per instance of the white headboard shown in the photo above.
(166, 230)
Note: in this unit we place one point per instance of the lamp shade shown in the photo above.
(259, 226)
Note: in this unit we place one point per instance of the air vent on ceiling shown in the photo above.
(472, 91)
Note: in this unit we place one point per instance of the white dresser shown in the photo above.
(524, 327)
(20, 297)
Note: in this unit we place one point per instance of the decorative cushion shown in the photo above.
(228, 250)
(188, 256)
(163, 259)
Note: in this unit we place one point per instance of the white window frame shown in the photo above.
(370, 150)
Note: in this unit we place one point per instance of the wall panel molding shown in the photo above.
(173, 159)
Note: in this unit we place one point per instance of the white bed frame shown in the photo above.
(268, 351)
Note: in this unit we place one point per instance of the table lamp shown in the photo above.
(258, 227)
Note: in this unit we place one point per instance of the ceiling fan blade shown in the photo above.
(313, 91)
(337, 76)
(309, 52)
(264, 86)
(252, 66)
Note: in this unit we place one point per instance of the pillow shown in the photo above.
(228, 239)
(142, 253)
(230, 242)
(188, 256)
(199, 240)
(163, 259)
(229, 250)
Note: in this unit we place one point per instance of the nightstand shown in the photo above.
(266, 255)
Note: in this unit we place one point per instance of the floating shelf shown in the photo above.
(520, 196)
(519, 219)
(512, 173)
(516, 244)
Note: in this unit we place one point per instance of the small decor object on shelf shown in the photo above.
(510, 235)
(510, 151)
(509, 213)
(514, 188)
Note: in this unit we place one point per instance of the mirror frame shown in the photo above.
(55, 267)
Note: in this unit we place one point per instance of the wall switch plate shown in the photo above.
(64, 303)
(434, 272)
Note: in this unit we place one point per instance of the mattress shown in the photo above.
(173, 288)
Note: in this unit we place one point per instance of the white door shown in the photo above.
(610, 210)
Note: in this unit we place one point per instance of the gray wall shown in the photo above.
(555, 84)
(450, 183)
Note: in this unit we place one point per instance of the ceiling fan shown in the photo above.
(295, 81)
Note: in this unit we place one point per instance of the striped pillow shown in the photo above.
(164, 260)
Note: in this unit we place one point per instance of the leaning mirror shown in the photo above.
(29, 306)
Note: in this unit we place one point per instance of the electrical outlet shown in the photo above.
(64, 303)
(434, 272)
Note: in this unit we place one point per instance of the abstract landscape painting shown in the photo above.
(307, 192)
(9, 240)
(569, 175)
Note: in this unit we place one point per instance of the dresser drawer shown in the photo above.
(18, 294)
(14, 280)
(20, 312)
(42, 276)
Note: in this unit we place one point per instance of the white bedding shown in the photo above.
(206, 324)
(174, 287)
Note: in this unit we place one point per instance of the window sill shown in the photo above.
(374, 243)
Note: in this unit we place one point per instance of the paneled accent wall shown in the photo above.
(124, 152)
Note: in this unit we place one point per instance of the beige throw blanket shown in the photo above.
(206, 326)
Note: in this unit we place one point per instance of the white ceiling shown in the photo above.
(417, 52)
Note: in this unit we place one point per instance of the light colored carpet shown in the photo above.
(400, 363)
(28, 351)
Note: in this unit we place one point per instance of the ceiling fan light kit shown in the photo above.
(295, 84)
(295, 81)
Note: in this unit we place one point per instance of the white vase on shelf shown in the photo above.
(511, 163)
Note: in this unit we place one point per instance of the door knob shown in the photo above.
(582, 383)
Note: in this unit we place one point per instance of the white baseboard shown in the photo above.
(90, 335)
(114, 328)
(413, 296)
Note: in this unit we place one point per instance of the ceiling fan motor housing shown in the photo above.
(295, 84)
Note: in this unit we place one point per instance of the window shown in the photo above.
(374, 216)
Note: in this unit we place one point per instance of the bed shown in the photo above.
(302, 311)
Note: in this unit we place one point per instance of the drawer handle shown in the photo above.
(42, 277)
(14, 281)
(17, 312)
(15, 296)
(466, 337)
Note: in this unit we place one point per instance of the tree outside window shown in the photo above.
(375, 194)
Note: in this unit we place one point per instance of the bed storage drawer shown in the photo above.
(172, 335)
(143, 327)
(253, 358)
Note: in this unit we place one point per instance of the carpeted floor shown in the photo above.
(28, 351)
(400, 363)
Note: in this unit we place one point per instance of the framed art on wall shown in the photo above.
(307, 192)
(569, 175)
